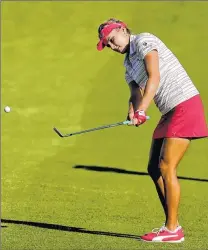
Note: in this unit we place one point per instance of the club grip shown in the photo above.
(127, 122)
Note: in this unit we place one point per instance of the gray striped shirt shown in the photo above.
(175, 84)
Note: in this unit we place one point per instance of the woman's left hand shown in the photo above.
(139, 118)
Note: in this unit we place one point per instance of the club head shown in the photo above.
(58, 132)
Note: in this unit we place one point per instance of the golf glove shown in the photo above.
(140, 116)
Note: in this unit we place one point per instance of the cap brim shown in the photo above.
(100, 45)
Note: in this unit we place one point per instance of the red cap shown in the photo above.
(105, 31)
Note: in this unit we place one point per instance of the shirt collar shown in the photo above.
(132, 44)
(132, 49)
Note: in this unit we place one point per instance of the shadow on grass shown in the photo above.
(68, 229)
(123, 171)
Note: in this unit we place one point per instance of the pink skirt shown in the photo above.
(186, 120)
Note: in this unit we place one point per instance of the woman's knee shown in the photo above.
(153, 169)
(167, 167)
(153, 164)
(172, 151)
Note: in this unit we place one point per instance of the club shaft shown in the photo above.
(94, 129)
(97, 128)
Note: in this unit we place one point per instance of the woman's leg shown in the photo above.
(154, 171)
(172, 151)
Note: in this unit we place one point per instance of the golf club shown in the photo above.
(94, 129)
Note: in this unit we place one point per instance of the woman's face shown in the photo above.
(118, 40)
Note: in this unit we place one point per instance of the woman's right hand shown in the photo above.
(130, 114)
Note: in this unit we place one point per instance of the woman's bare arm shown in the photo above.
(152, 67)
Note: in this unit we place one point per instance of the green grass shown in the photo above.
(53, 75)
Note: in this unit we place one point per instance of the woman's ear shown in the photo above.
(125, 31)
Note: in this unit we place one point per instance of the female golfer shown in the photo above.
(154, 73)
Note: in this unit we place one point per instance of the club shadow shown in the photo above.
(130, 172)
(68, 228)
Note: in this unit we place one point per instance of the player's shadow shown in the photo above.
(124, 171)
(68, 229)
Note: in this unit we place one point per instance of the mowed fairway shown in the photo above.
(90, 191)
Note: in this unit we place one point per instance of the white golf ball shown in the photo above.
(7, 109)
